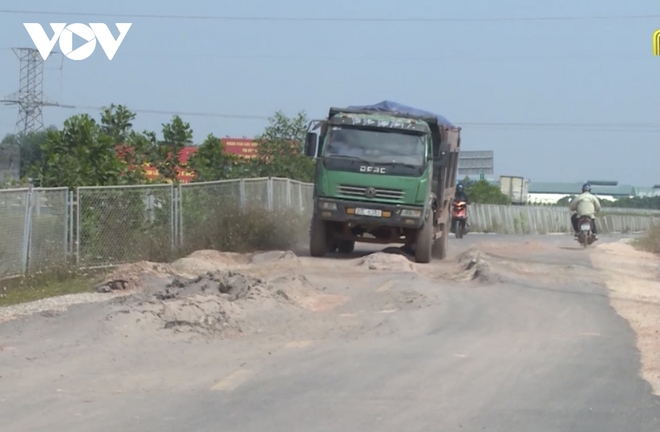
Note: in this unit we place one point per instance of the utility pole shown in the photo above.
(30, 95)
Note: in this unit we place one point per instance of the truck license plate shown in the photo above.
(368, 212)
(586, 227)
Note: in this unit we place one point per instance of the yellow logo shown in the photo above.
(656, 43)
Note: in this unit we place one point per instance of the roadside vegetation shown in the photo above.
(109, 151)
(40, 285)
(650, 242)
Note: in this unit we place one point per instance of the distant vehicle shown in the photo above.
(459, 218)
(385, 173)
(516, 188)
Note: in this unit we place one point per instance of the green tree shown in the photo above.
(133, 147)
(176, 135)
(211, 162)
(24, 149)
(116, 122)
(482, 192)
(78, 155)
(280, 152)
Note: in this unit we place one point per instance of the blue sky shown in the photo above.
(515, 74)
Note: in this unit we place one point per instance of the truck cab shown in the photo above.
(381, 177)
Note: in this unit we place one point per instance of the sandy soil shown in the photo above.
(281, 298)
(633, 279)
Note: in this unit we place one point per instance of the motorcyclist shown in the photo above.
(585, 204)
(460, 194)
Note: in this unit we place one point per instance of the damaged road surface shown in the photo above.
(508, 334)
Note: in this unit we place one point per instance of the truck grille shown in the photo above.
(380, 193)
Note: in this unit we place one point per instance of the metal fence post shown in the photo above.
(66, 226)
(269, 189)
(78, 211)
(72, 226)
(241, 192)
(27, 230)
(172, 216)
(288, 193)
(179, 213)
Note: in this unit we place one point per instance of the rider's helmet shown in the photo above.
(459, 187)
(586, 187)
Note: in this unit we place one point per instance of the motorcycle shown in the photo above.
(585, 234)
(459, 218)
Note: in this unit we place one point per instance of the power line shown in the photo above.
(181, 113)
(605, 127)
(335, 19)
(447, 57)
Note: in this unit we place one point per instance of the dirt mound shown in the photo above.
(386, 261)
(130, 276)
(221, 301)
(299, 290)
(475, 265)
(203, 261)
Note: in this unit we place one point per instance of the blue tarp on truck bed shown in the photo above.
(389, 106)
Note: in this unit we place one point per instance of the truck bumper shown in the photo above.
(393, 215)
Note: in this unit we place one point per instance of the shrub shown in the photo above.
(250, 229)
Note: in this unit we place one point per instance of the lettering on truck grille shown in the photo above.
(361, 191)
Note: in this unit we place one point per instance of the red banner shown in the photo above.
(243, 147)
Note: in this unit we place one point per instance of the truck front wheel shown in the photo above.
(318, 237)
(424, 242)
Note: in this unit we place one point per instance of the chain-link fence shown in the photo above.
(49, 229)
(549, 220)
(118, 224)
(13, 247)
(34, 230)
(201, 207)
(105, 226)
(218, 214)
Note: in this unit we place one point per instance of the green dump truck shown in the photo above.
(385, 173)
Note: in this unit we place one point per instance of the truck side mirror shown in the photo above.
(310, 144)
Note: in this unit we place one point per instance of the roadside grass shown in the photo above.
(39, 285)
(650, 242)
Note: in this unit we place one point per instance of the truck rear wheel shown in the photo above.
(424, 245)
(318, 237)
(346, 246)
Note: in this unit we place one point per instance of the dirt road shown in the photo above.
(508, 334)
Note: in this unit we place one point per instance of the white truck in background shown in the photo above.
(516, 188)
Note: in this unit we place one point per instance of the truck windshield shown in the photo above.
(376, 146)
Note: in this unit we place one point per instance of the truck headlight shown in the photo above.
(327, 205)
(411, 213)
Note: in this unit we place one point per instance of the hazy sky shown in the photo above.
(498, 79)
